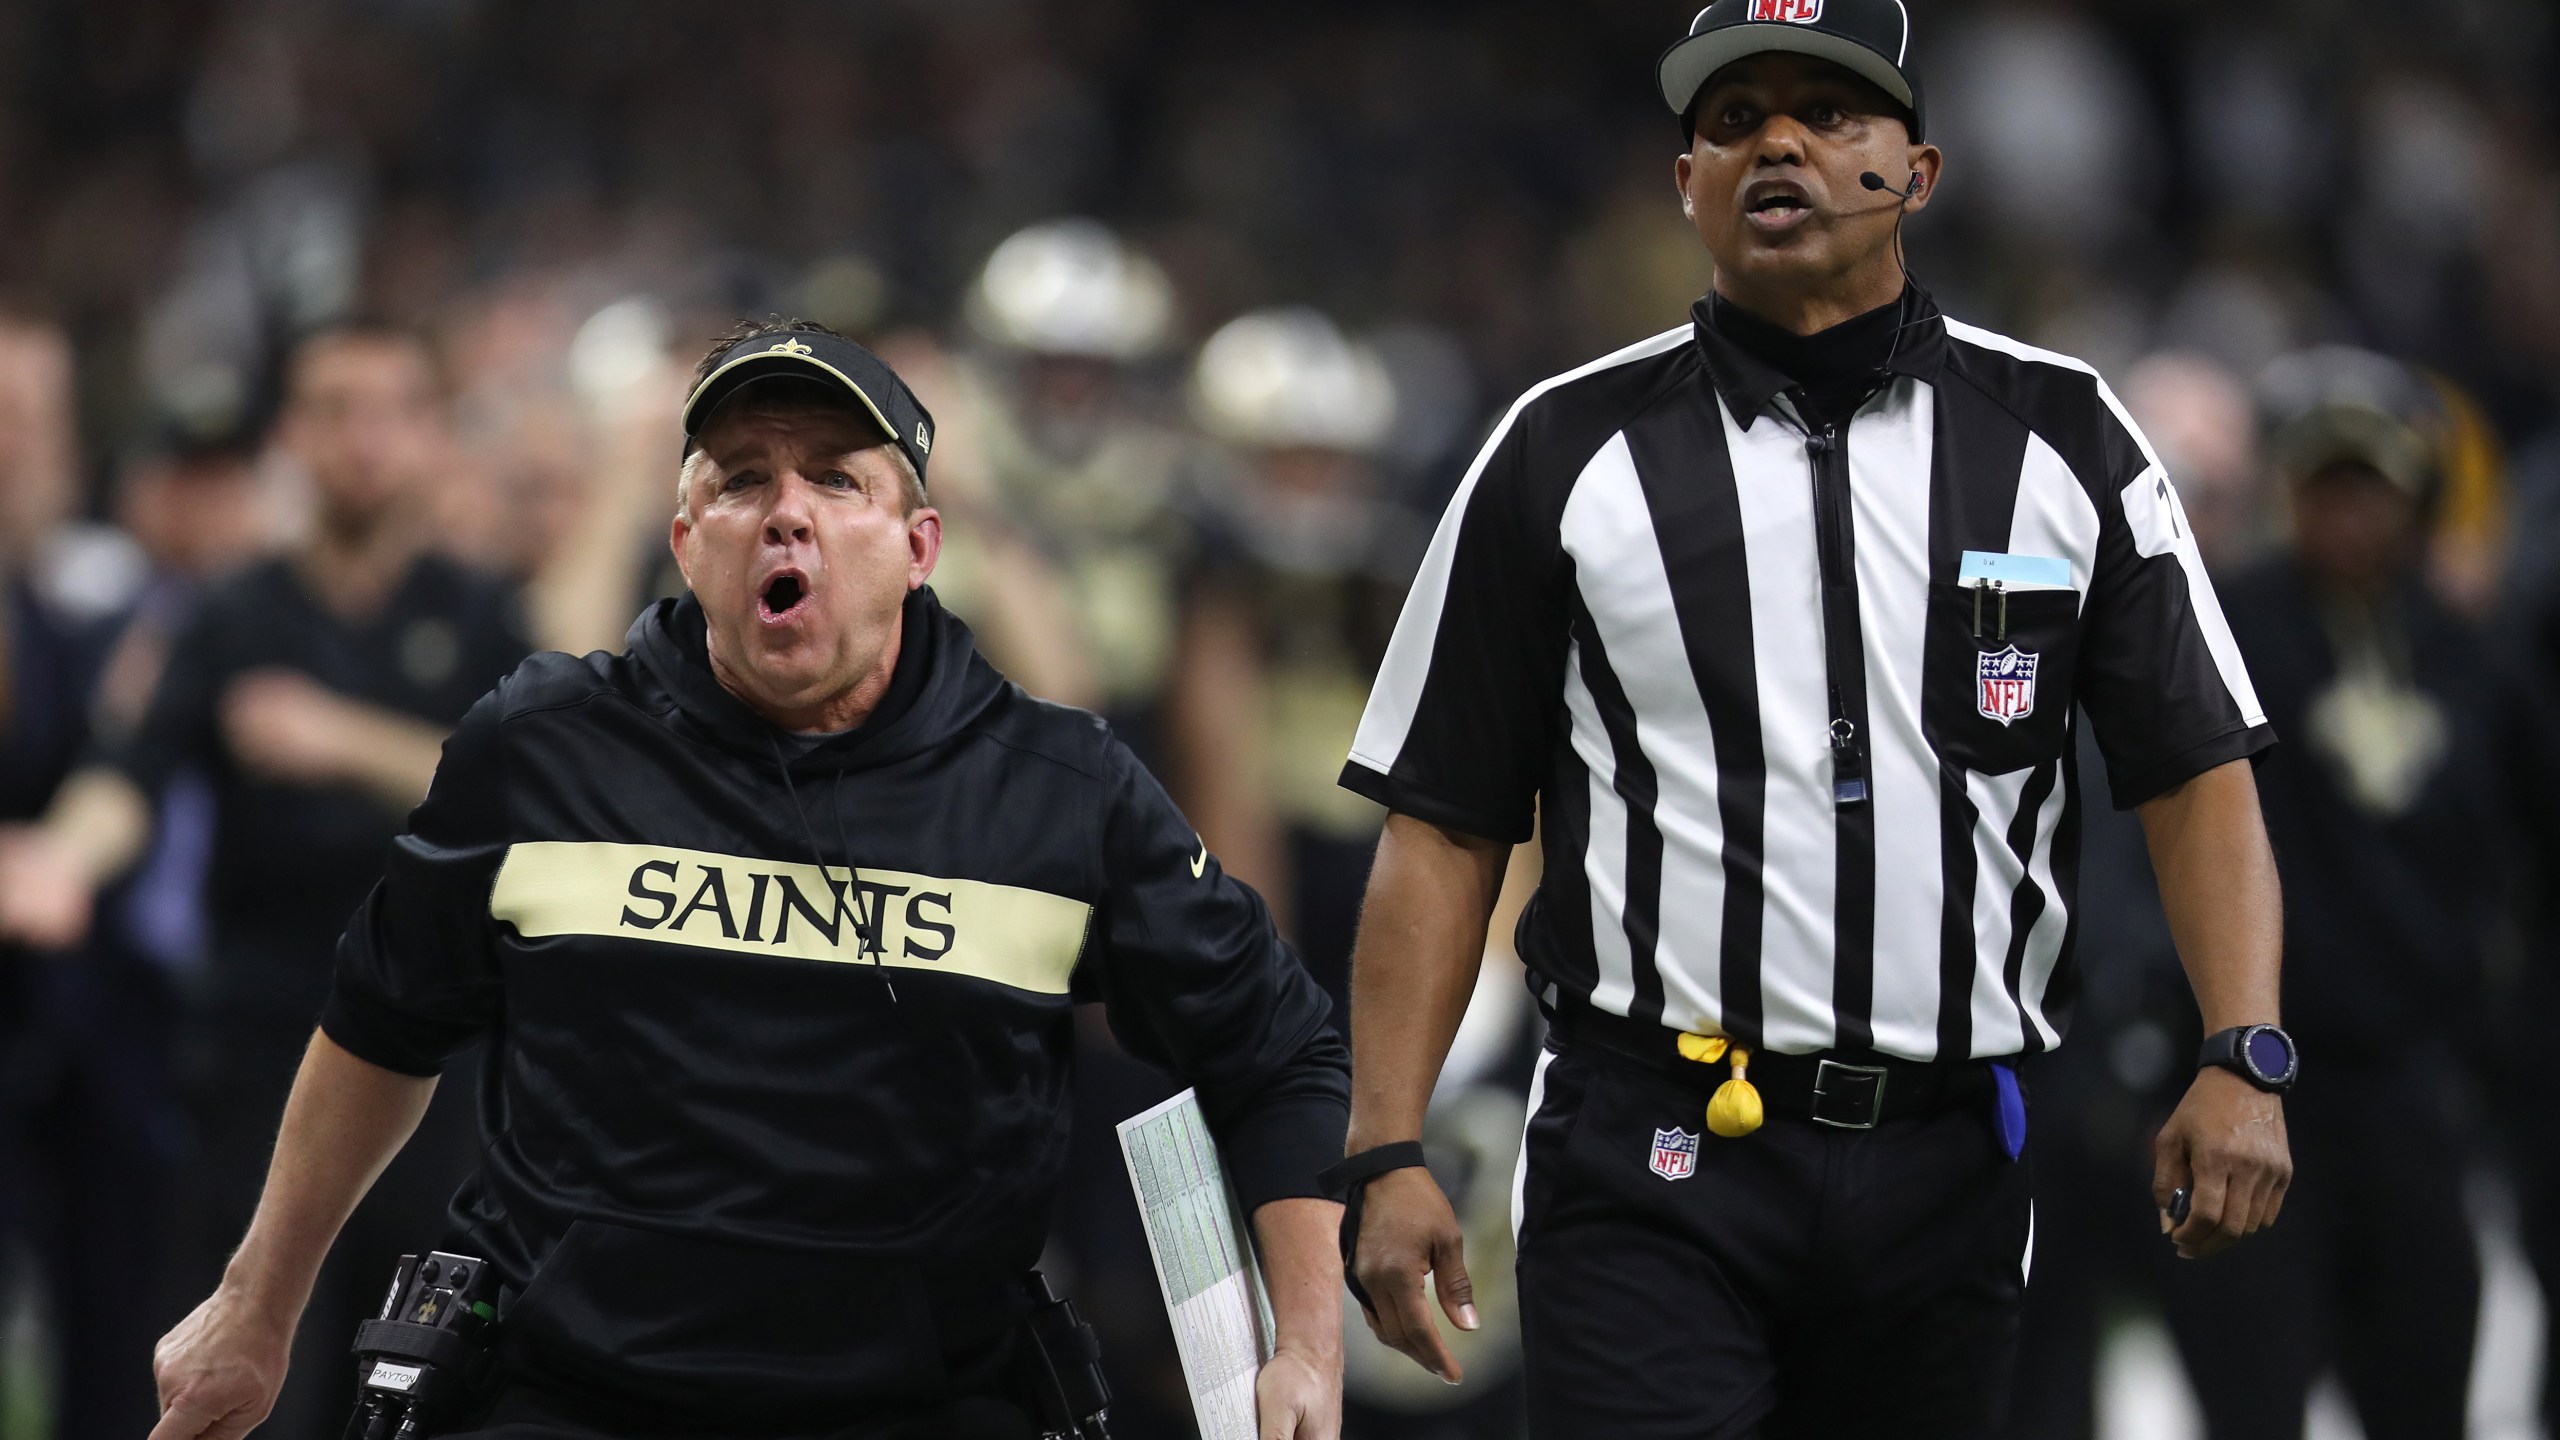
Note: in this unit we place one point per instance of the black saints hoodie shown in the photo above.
(779, 1028)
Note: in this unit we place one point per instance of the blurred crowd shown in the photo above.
(340, 348)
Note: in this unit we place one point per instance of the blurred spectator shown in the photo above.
(2396, 805)
(86, 1133)
(312, 691)
(2528, 1001)
(2200, 417)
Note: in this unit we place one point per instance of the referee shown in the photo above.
(1777, 622)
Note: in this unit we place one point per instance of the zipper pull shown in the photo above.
(1848, 765)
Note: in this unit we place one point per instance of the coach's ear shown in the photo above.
(680, 529)
(924, 545)
(678, 533)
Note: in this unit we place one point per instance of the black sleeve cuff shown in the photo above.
(1404, 798)
(1276, 1149)
(374, 1032)
(1277, 1137)
(2158, 777)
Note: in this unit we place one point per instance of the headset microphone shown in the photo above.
(1873, 181)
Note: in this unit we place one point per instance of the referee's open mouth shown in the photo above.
(785, 594)
(1775, 206)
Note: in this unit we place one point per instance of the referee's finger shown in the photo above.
(2201, 1234)
(1404, 1318)
(2276, 1188)
(2170, 1174)
(1449, 1277)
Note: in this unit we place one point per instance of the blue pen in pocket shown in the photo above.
(2009, 1110)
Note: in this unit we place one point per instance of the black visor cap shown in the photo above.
(1869, 38)
(828, 359)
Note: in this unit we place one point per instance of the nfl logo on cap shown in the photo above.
(1675, 1154)
(1792, 12)
(2006, 682)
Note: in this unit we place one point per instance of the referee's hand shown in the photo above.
(2226, 1146)
(1408, 1231)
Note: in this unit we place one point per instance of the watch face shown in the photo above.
(2269, 1054)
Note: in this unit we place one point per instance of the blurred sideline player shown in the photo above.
(1305, 554)
(1302, 570)
(2420, 763)
(1077, 488)
(1069, 530)
(314, 691)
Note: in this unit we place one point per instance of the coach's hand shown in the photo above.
(1298, 1395)
(2226, 1146)
(1407, 1231)
(220, 1369)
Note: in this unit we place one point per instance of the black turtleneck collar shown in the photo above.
(1828, 373)
(939, 686)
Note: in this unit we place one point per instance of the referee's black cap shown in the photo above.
(817, 354)
(1869, 38)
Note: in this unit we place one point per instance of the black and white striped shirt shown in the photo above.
(1795, 705)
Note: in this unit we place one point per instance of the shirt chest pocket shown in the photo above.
(1997, 684)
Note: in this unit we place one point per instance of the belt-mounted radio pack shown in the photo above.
(427, 1350)
(1073, 1395)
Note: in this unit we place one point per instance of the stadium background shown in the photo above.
(573, 195)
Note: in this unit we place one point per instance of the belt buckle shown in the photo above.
(1848, 1097)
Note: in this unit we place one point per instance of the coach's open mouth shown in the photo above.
(785, 592)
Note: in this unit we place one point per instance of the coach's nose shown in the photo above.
(789, 521)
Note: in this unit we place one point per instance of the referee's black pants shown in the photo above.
(1802, 1281)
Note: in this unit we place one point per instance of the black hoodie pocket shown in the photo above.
(694, 1325)
(1997, 693)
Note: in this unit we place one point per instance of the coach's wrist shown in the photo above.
(261, 1296)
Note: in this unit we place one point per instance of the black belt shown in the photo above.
(1850, 1092)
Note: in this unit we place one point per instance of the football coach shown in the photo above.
(1780, 620)
(772, 925)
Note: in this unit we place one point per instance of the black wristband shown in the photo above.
(1343, 1179)
(1348, 1182)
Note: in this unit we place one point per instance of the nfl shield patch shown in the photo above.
(2005, 684)
(1675, 1154)
(1793, 12)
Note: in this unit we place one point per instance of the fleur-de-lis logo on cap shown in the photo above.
(790, 347)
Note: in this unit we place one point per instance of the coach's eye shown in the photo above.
(1825, 114)
(1738, 117)
(838, 480)
(740, 481)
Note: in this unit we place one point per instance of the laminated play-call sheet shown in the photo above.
(1203, 1251)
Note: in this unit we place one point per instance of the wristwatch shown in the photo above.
(2263, 1055)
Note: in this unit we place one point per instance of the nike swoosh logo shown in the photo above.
(1200, 862)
